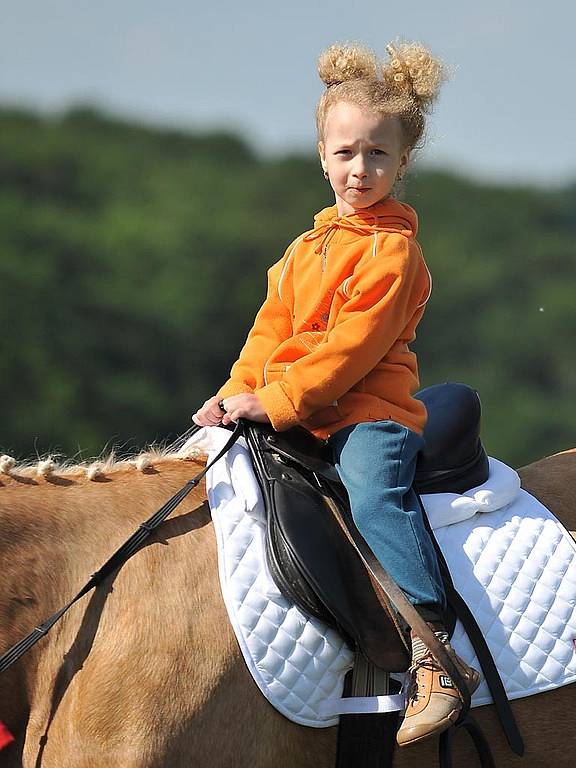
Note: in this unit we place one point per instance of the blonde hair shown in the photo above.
(405, 86)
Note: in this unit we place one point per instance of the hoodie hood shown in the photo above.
(386, 216)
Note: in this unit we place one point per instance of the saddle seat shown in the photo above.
(453, 459)
(309, 554)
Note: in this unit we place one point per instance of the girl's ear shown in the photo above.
(404, 160)
(322, 153)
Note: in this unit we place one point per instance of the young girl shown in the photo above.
(329, 348)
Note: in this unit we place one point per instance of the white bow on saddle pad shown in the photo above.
(510, 559)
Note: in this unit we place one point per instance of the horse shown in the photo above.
(145, 670)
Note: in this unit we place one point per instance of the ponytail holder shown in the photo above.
(401, 71)
(393, 55)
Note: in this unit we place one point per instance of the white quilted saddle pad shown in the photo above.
(510, 559)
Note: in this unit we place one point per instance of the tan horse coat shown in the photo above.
(145, 672)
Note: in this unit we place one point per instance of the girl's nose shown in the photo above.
(360, 169)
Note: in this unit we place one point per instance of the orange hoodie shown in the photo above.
(329, 346)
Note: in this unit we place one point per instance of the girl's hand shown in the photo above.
(245, 406)
(210, 414)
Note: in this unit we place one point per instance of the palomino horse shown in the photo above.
(144, 672)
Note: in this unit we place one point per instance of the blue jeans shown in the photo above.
(376, 461)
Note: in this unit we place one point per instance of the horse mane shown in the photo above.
(106, 466)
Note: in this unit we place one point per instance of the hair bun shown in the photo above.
(413, 71)
(346, 62)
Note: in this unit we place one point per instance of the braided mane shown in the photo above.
(49, 467)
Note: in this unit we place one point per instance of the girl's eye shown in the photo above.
(343, 152)
(378, 152)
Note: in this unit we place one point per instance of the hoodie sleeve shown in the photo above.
(272, 325)
(386, 290)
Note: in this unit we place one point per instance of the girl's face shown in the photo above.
(362, 153)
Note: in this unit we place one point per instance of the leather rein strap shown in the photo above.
(122, 554)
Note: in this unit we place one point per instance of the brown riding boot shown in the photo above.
(433, 703)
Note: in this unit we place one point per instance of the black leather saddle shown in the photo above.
(310, 528)
(309, 555)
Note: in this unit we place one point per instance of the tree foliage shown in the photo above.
(133, 260)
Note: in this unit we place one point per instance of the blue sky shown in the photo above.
(508, 114)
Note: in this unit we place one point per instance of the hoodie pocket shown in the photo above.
(274, 371)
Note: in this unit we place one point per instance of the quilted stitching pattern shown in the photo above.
(516, 569)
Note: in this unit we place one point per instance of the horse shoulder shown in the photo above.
(552, 481)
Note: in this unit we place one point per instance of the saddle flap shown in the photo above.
(312, 560)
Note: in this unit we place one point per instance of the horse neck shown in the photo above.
(32, 551)
(32, 580)
(55, 532)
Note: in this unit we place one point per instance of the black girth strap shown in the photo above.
(119, 557)
(367, 740)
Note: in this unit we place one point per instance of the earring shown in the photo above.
(326, 175)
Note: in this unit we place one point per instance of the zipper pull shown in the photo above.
(324, 252)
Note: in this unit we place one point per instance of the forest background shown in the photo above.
(133, 260)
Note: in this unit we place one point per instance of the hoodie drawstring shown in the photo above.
(327, 231)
